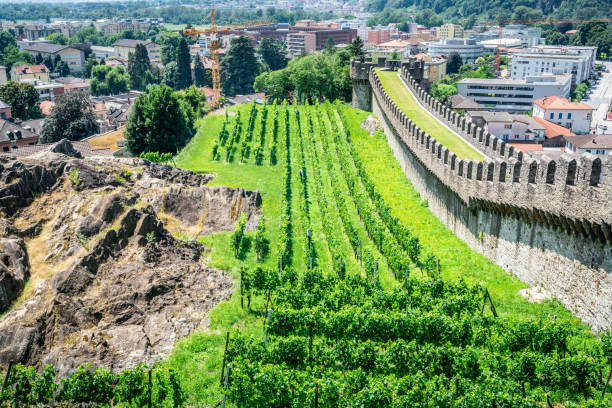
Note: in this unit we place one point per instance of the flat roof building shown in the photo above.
(513, 95)
(577, 61)
(468, 50)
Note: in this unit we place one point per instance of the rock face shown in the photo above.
(110, 286)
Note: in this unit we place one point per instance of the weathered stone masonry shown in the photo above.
(547, 222)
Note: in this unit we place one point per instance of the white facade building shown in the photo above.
(556, 60)
(509, 127)
(468, 50)
(572, 115)
(509, 95)
(594, 144)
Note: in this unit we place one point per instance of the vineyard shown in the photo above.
(350, 293)
(356, 307)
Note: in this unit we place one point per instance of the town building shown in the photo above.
(99, 52)
(13, 136)
(301, 42)
(577, 61)
(223, 39)
(513, 95)
(378, 36)
(554, 135)
(36, 31)
(3, 77)
(22, 72)
(450, 31)
(594, 144)
(528, 36)
(462, 103)
(47, 91)
(435, 68)
(72, 55)
(509, 127)
(123, 48)
(572, 115)
(311, 39)
(5, 110)
(468, 50)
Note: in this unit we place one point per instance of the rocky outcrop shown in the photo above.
(14, 269)
(110, 285)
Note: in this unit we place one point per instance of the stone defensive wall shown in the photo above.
(548, 222)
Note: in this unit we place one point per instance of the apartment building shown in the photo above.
(435, 68)
(301, 41)
(73, 55)
(123, 48)
(514, 95)
(594, 144)
(22, 72)
(577, 61)
(450, 31)
(379, 36)
(509, 127)
(572, 115)
(468, 50)
(35, 31)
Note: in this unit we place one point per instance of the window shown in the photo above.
(505, 137)
(552, 115)
(569, 115)
(560, 115)
(509, 126)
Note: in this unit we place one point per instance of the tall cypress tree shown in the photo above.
(199, 73)
(183, 64)
(239, 67)
(138, 65)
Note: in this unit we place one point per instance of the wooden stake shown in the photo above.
(150, 388)
(6, 377)
(224, 352)
(267, 301)
(607, 380)
(548, 402)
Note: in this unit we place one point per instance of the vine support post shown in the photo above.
(225, 381)
(438, 267)
(6, 377)
(150, 388)
(310, 344)
(227, 335)
(603, 393)
(266, 328)
(406, 274)
(267, 300)
(316, 401)
(241, 293)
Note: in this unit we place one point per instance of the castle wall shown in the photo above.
(520, 225)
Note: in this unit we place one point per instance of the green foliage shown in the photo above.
(275, 84)
(21, 97)
(580, 91)
(273, 53)
(238, 235)
(454, 63)
(199, 73)
(158, 122)
(169, 44)
(239, 67)
(58, 38)
(182, 78)
(108, 81)
(139, 68)
(442, 91)
(156, 157)
(70, 119)
(99, 387)
(73, 176)
(261, 242)
(356, 48)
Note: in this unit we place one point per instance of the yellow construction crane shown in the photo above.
(214, 31)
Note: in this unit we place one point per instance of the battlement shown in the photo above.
(573, 193)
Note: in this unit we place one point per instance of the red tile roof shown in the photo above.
(525, 146)
(557, 102)
(46, 107)
(23, 69)
(552, 130)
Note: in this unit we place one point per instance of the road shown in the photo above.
(600, 98)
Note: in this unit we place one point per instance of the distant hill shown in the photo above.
(479, 10)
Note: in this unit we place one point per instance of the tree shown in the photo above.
(169, 74)
(138, 65)
(12, 55)
(70, 119)
(556, 38)
(58, 38)
(273, 53)
(38, 59)
(87, 67)
(7, 38)
(356, 48)
(62, 68)
(157, 123)
(442, 91)
(108, 81)
(275, 84)
(199, 73)
(454, 63)
(169, 43)
(183, 66)
(239, 67)
(330, 44)
(21, 97)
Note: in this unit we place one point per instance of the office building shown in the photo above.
(468, 50)
(450, 31)
(514, 95)
(577, 61)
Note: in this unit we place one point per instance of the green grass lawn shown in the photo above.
(423, 119)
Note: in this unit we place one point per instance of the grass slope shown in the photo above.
(423, 119)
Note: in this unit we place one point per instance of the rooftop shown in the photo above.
(23, 69)
(525, 146)
(552, 130)
(465, 103)
(591, 141)
(543, 80)
(45, 47)
(131, 43)
(558, 102)
(8, 132)
(395, 44)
